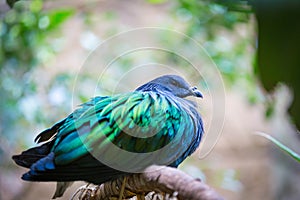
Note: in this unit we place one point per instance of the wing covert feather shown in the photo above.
(135, 122)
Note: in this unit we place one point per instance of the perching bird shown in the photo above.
(85, 146)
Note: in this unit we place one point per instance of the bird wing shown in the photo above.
(50, 132)
(127, 130)
(137, 122)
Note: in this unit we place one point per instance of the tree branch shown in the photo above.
(156, 180)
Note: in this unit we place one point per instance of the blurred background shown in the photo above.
(47, 68)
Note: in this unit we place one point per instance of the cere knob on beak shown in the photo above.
(196, 92)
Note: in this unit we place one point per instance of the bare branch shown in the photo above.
(166, 181)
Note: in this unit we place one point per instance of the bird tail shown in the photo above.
(61, 187)
(30, 156)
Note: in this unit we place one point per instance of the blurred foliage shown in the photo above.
(278, 57)
(208, 17)
(225, 30)
(11, 2)
(24, 35)
(24, 30)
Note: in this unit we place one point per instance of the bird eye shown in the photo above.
(174, 82)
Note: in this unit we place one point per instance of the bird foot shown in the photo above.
(85, 192)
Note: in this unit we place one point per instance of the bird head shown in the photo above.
(174, 84)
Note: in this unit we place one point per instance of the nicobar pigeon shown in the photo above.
(155, 117)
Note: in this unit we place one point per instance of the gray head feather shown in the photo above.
(173, 84)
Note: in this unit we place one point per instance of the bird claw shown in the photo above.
(85, 192)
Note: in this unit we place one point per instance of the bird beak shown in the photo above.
(195, 92)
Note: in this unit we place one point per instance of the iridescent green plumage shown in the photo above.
(112, 118)
(111, 136)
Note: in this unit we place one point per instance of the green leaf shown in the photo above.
(57, 17)
(286, 149)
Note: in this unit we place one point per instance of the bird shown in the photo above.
(155, 117)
